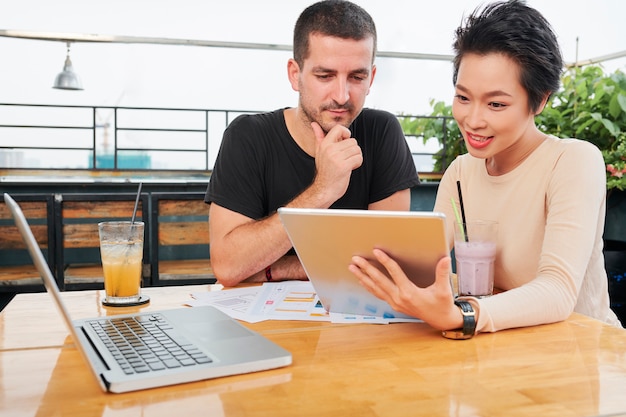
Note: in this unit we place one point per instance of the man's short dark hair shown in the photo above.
(338, 18)
(515, 30)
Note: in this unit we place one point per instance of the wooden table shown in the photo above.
(574, 368)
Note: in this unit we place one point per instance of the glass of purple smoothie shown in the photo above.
(475, 253)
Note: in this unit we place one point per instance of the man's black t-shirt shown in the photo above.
(260, 167)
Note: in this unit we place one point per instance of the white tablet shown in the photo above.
(326, 239)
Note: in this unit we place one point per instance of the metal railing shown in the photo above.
(67, 137)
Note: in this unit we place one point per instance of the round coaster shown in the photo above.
(143, 299)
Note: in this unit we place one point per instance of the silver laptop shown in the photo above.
(326, 239)
(170, 346)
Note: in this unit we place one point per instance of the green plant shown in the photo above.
(591, 106)
(441, 125)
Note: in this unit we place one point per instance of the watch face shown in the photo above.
(456, 334)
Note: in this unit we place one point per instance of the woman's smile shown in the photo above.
(478, 141)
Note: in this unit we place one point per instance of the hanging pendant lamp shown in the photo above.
(67, 79)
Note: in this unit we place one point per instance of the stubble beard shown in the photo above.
(316, 116)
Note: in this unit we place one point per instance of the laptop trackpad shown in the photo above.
(217, 331)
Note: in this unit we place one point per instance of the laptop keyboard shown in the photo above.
(146, 343)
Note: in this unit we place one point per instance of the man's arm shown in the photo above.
(399, 201)
(241, 247)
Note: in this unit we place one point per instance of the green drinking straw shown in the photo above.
(458, 218)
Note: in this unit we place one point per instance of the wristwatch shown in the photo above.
(469, 323)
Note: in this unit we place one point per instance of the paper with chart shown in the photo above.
(297, 300)
(286, 300)
(289, 300)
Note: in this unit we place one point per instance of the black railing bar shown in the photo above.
(173, 172)
(38, 148)
(160, 150)
(181, 109)
(50, 127)
(206, 139)
(71, 106)
(115, 145)
(94, 116)
(402, 116)
(147, 129)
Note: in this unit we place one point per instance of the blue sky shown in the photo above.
(201, 77)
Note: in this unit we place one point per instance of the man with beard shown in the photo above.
(328, 152)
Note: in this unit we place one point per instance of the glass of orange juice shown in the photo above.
(121, 250)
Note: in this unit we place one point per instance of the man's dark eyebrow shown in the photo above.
(363, 71)
(322, 69)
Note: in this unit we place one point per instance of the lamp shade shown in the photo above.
(67, 79)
